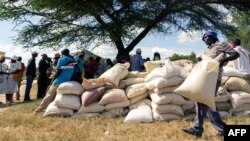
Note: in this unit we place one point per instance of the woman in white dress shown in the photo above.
(3, 75)
(14, 68)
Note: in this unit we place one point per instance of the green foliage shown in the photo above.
(242, 20)
(191, 57)
(120, 23)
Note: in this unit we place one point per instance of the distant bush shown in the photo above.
(191, 57)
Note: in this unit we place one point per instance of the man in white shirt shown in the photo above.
(242, 63)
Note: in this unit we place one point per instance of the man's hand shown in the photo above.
(198, 59)
(222, 62)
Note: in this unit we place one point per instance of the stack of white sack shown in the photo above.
(135, 87)
(222, 102)
(166, 78)
(66, 101)
(161, 82)
(139, 110)
(184, 63)
(189, 109)
(114, 101)
(241, 103)
(167, 106)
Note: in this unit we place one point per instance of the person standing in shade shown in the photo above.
(137, 61)
(19, 59)
(64, 75)
(109, 63)
(157, 56)
(215, 48)
(79, 68)
(56, 58)
(30, 75)
(42, 81)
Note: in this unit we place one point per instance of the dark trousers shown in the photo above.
(77, 76)
(29, 82)
(9, 98)
(42, 86)
(203, 110)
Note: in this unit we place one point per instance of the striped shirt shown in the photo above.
(216, 49)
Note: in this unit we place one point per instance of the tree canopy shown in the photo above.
(120, 23)
(242, 21)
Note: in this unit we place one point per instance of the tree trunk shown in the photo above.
(123, 56)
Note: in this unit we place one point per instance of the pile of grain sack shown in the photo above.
(145, 96)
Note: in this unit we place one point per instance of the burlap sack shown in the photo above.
(167, 98)
(70, 87)
(140, 102)
(92, 108)
(141, 114)
(167, 109)
(201, 82)
(238, 84)
(92, 96)
(166, 117)
(53, 110)
(135, 90)
(138, 98)
(239, 98)
(89, 84)
(112, 96)
(68, 101)
(136, 74)
(131, 81)
(232, 72)
(167, 71)
(151, 65)
(115, 74)
(162, 82)
(168, 89)
(117, 105)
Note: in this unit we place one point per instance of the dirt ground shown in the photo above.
(33, 93)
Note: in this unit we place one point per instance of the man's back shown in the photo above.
(65, 74)
(242, 63)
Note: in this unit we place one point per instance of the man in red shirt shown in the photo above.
(19, 59)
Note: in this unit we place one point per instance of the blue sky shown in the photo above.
(179, 43)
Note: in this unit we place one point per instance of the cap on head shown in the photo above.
(34, 52)
(14, 58)
(138, 50)
(44, 55)
(210, 33)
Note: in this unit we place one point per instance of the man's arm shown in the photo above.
(231, 55)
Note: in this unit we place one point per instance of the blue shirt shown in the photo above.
(65, 74)
(137, 63)
(79, 65)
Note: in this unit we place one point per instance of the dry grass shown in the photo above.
(19, 123)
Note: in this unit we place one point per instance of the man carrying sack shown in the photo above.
(215, 48)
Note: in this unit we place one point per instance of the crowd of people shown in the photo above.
(65, 67)
(12, 74)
